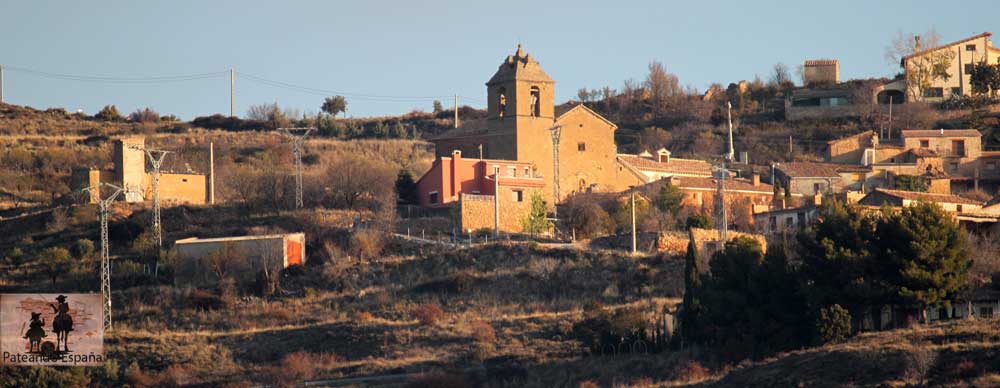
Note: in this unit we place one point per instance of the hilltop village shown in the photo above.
(648, 236)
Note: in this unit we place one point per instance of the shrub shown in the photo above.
(366, 243)
(144, 116)
(296, 367)
(204, 300)
(833, 324)
(483, 332)
(690, 370)
(55, 261)
(700, 221)
(83, 248)
(453, 284)
(109, 113)
(589, 384)
(428, 314)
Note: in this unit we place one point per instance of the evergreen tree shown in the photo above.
(536, 221)
(406, 189)
(926, 253)
(668, 200)
(691, 307)
(837, 260)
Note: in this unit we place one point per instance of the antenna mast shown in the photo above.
(298, 144)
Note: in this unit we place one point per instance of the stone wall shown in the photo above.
(676, 242)
(477, 211)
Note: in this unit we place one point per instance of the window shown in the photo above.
(512, 171)
(958, 208)
(517, 195)
(958, 147)
(956, 91)
(934, 92)
(789, 221)
(968, 68)
(953, 166)
(773, 221)
(817, 188)
(924, 143)
(986, 312)
(433, 197)
(535, 95)
(970, 47)
(501, 102)
(581, 147)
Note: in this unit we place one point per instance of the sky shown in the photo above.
(391, 57)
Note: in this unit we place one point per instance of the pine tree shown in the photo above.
(927, 255)
(668, 200)
(406, 189)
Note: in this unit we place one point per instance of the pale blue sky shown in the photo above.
(431, 48)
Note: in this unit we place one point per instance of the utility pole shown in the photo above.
(211, 173)
(729, 115)
(232, 93)
(496, 200)
(890, 118)
(456, 111)
(1, 84)
(298, 143)
(722, 216)
(633, 223)
(103, 205)
(790, 146)
(555, 130)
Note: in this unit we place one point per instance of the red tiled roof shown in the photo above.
(730, 184)
(930, 197)
(817, 170)
(675, 165)
(990, 154)
(940, 133)
(935, 48)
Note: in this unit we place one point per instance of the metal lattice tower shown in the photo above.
(156, 160)
(722, 218)
(298, 144)
(103, 205)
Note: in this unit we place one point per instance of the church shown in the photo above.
(512, 152)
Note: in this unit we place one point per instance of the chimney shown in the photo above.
(456, 154)
(755, 179)
(916, 43)
(663, 156)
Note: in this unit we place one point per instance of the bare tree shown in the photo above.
(780, 75)
(903, 44)
(662, 85)
(353, 180)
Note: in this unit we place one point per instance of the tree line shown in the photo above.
(827, 282)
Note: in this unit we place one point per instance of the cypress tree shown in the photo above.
(691, 307)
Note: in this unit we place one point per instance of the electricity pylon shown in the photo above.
(298, 144)
(103, 205)
(156, 160)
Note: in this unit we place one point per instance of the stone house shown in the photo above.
(821, 72)
(966, 52)
(947, 158)
(789, 220)
(809, 178)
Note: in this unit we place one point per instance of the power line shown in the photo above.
(329, 92)
(117, 80)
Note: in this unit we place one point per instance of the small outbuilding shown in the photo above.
(202, 262)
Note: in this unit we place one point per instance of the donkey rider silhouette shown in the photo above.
(35, 333)
(62, 324)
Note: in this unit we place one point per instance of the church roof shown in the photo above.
(521, 67)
